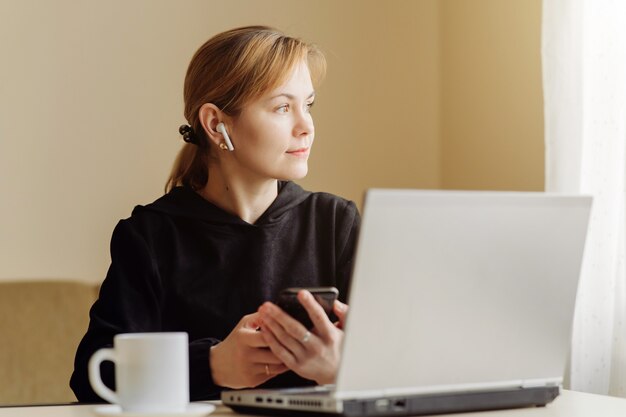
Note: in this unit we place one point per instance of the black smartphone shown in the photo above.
(325, 296)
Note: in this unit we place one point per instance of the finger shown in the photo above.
(317, 314)
(272, 310)
(279, 350)
(284, 337)
(250, 321)
(290, 326)
(264, 356)
(269, 370)
(341, 311)
(252, 338)
(263, 373)
(278, 369)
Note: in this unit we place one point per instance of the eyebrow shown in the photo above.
(289, 96)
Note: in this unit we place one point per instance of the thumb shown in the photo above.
(341, 311)
(251, 321)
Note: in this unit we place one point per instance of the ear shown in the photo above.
(210, 115)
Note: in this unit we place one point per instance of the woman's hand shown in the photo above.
(243, 359)
(313, 355)
(341, 311)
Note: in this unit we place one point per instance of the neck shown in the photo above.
(247, 198)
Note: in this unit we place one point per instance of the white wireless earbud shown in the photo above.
(222, 129)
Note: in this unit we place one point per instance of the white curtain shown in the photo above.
(584, 78)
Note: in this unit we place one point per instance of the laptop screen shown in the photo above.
(462, 289)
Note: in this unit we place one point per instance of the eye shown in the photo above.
(283, 109)
(309, 105)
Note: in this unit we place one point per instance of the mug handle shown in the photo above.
(94, 374)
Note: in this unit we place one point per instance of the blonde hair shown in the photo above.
(229, 70)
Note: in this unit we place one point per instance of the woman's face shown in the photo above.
(273, 135)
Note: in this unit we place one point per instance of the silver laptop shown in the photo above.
(459, 301)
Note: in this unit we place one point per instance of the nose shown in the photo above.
(303, 126)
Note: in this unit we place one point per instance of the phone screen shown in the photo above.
(325, 296)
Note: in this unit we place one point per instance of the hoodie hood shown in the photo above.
(185, 202)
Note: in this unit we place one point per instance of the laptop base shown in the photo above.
(423, 404)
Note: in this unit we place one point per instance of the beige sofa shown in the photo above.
(41, 323)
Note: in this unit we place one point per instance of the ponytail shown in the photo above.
(191, 168)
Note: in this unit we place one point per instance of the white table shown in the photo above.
(568, 404)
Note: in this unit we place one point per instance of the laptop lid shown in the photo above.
(462, 291)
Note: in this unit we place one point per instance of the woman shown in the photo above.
(232, 230)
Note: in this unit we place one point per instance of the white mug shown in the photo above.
(151, 372)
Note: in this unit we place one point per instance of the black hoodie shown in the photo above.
(183, 264)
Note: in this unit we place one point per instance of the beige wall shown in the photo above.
(90, 105)
(378, 125)
(492, 105)
(423, 94)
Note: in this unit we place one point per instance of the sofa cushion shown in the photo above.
(41, 323)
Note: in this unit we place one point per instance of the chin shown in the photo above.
(295, 173)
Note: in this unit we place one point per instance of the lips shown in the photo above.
(299, 152)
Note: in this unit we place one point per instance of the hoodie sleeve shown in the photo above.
(130, 301)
